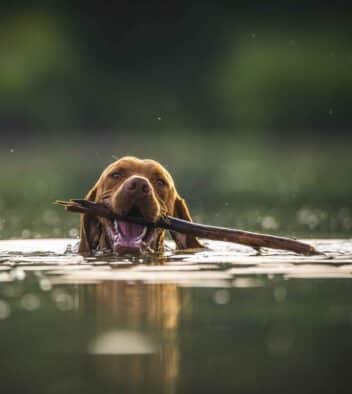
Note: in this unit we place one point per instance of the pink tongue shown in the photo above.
(130, 230)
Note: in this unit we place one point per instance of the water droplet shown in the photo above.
(30, 302)
(73, 232)
(221, 296)
(12, 150)
(45, 284)
(309, 217)
(280, 294)
(26, 233)
(269, 223)
(63, 300)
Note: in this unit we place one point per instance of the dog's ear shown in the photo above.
(90, 227)
(183, 241)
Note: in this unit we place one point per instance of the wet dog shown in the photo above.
(138, 188)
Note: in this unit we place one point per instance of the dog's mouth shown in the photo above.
(130, 238)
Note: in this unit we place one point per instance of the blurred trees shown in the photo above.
(202, 65)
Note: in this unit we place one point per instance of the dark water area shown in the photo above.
(223, 320)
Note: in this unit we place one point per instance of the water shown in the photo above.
(223, 320)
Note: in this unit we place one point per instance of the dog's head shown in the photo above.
(134, 187)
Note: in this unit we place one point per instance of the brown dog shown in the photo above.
(135, 187)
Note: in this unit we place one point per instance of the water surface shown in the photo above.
(223, 320)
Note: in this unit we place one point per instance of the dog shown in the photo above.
(138, 188)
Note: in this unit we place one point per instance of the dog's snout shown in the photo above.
(138, 186)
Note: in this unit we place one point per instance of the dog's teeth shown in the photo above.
(144, 232)
(116, 225)
(142, 235)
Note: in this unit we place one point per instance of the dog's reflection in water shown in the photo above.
(137, 326)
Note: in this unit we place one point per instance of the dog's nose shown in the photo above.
(138, 186)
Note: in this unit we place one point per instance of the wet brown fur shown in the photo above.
(163, 200)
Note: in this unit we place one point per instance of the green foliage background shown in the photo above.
(247, 104)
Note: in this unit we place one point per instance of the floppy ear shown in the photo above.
(90, 228)
(183, 241)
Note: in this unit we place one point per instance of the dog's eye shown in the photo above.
(160, 182)
(116, 175)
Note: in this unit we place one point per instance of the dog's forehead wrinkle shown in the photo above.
(159, 170)
(121, 164)
(146, 167)
(128, 161)
(135, 162)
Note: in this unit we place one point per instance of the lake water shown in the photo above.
(220, 321)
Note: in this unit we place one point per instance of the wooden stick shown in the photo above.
(254, 240)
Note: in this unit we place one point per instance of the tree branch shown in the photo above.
(254, 240)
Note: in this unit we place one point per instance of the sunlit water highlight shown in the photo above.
(216, 265)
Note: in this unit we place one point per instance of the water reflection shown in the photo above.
(130, 337)
(222, 321)
(140, 320)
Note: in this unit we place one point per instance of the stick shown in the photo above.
(248, 238)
